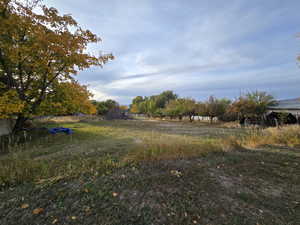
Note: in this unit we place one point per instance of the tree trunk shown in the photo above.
(211, 119)
(19, 123)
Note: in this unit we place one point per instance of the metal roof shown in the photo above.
(292, 104)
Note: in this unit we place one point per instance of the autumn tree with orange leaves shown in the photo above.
(69, 98)
(39, 52)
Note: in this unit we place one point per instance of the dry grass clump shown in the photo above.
(231, 143)
(18, 169)
(172, 147)
(233, 124)
(284, 136)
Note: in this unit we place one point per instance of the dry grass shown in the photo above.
(95, 143)
(19, 170)
(288, 136)
(100, 146)
(139, 172)
(234, 124)
(168, 147)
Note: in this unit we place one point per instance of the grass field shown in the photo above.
(153, 172)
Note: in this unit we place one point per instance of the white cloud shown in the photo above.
(191, 47)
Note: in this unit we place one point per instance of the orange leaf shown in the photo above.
(38, 211)
(24, 206)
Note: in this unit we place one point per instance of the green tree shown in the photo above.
(105, 106)
(38, 49)
(174, 109)
(153, 105)
(189, 107)
(253, 104)
(214, 107)
(137, 100)
(181, 107)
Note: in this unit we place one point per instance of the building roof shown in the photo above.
(288, 104)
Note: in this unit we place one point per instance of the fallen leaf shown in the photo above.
(38, 211)
(24, 206)
(55, 221)
(87, 209)
(73, 218)
(115, 194)
(176, 173)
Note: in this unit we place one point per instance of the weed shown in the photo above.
(286, 136)
(172, 147)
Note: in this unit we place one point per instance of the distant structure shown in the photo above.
(287, 106)
(290, 108)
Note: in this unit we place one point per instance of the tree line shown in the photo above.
(41, 51)
(168, 104)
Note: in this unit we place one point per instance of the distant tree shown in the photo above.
(134, 108)
(137, 100)
(174, 109)
(253, 104)
(159, 113)
(153, 105)
(124, 108)
(105, 106)
(143, 107)
(214, 107)
(181, 107)
(38, 49)
(164, 98)
(189, 107)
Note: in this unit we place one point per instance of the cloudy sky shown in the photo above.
(196, 48)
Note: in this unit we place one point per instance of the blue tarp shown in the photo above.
(60, 130)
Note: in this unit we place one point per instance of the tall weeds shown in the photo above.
(288, 136)
(168, 147)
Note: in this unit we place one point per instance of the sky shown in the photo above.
(195, 48)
